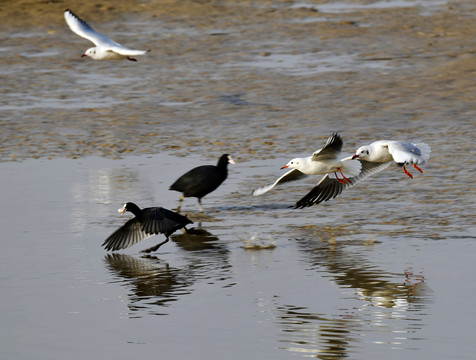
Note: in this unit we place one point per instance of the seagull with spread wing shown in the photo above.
(105, 48)
(403, 153)
(374, 158)
(340, 173)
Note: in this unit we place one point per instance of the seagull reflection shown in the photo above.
(316, 335)
(152, 282)
(381, 288)
(391, 306)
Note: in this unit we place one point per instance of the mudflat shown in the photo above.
(256, 78)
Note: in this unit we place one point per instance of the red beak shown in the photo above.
(84, 55)
(355, 156)
(284, 167)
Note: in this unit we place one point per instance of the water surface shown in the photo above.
(339, 282)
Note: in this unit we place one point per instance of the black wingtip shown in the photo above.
(335, 138)
(301, 205)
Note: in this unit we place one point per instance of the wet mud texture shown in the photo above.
(249, 78)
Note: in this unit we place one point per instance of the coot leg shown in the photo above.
(156, 247)
(179, 206)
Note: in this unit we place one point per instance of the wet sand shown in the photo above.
(250, 78)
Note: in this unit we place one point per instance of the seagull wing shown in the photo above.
(81, 28)
(328, 188)
(289, 176)
(126, 51)
(408, 153)
(331, 150)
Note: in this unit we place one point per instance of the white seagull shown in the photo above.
(403, 153)
(105, 48)
(328, 188)
(326, 162)
(374, 158)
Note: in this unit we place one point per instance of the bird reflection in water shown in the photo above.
(151, 282)
(208, 258)
(196, 239)
(314, 334)
(390, 306)
(352, 269)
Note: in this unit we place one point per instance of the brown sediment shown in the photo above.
(204, 87)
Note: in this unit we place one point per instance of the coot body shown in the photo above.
(146, 223)
(202, 180)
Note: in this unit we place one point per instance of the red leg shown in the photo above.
(345, 179)
(340, 180)
(406, 172)
(416, 167)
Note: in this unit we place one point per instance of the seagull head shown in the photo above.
(293, 164)
(362, 153)
(91, 52)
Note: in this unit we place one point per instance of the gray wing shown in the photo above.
(408, 153)
(331, 150)
(328, 188)
(127, 235)
(289, 176)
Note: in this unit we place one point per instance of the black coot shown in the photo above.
(202, 180)
(147, 222)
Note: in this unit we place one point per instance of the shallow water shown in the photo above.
(339, 281)
(383, 271)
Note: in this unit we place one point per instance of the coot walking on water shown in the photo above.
(146, 223)
(202, 180)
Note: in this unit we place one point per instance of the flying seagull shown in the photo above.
(105, 48)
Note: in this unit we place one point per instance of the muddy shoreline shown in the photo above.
(249, 78)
